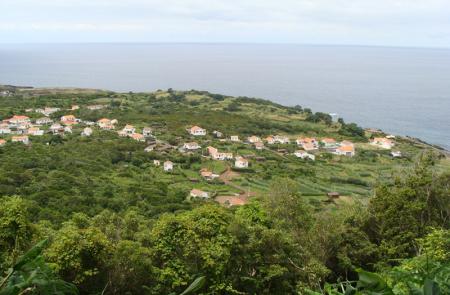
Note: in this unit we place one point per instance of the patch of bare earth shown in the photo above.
(239, 199)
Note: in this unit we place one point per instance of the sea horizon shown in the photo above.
(358, 82)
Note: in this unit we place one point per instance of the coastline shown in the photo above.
(74, 90)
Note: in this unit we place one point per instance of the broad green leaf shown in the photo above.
(195, 286)
(30, 254)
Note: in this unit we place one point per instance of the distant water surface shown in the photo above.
(401, 90)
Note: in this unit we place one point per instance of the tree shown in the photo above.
(286, 208)
(79, 252)
(342, 241)
(352, 130)
(265, 260)
(16, 230)
(189, 244)
(403, 211)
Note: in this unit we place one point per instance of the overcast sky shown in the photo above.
(361, 22)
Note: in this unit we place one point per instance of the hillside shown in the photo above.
(67, 151)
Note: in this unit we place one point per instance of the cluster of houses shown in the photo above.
(343, 148)
(308, 147)
(130, 131)
(21, 127)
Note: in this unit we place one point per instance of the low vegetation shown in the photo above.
(113, 222)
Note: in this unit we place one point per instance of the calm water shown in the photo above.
(400, 90)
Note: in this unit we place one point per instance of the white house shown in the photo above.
(22, 138)
(234, 138)
(197, 131)
(35, 131)
(240, 162)
(196, 193)
(44, 121)
(396, 154)
(304, 155)
(346, 150)
(254, 139)
(147, 131)
(382, 142)
(222, 156)
(5, 130)
(105, 123)
(216, 155)
(87, 131)
(128, 130)
(17, 120)
(156, 162)
(69, 120)
(191, 146)
(168, 166)
(217, 134)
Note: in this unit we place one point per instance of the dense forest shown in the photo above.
(95, 214)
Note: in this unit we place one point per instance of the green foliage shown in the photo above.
(404, 210)
(372, 283)
(117, 224)
(16, 229)
(319, 117)
(191, 243)
(31, 275)
(352, 130)
(79, 253)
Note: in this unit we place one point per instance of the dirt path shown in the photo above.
(240, 199)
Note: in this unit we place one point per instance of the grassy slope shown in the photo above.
(105, 168)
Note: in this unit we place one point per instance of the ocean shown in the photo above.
(403, 91)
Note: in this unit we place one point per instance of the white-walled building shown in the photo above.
(241, 162)
(234, 138)
(197, 131)
(191, 146)
(196, 193)
(21, 138)
(168, 166)
(304, 155)
(87, 131)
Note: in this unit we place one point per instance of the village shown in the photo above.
(213, 145)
